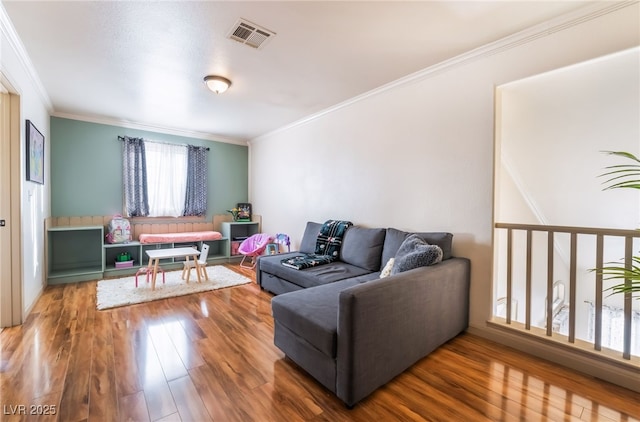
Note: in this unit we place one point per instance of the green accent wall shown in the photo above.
(86, 168)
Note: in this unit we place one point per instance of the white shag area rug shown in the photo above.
(116, 292)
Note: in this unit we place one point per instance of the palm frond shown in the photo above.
(623, 154)
(613, 273)
(624, 175)
(633, 287)
(633, 184)
(631, 276)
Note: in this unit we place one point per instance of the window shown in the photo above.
(166, 178)
(163, 179)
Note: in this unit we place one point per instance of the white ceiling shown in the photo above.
(144, 62)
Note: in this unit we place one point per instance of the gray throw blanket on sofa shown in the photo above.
(328, 246)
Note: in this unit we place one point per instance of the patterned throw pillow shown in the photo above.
(415, 252)
(386, 271)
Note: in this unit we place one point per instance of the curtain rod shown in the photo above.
(121, 138)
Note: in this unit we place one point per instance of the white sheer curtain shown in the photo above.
(167, 178)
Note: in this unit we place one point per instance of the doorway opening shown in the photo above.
(10, 221)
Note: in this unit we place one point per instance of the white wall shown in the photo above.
(418, 155)
(554, 129)
(35, 202)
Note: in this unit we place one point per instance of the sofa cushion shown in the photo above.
(310, 236)
(308, 277)
(366, 277)
(415, 252)
(276, 285)
(362, 247)
(312, 314)
(394, 239)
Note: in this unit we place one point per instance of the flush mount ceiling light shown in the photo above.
(217, 84)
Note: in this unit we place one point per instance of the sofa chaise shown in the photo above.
(354, 331)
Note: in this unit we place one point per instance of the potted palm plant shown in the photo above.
(623, 176)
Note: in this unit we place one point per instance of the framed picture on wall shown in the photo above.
(35, 154)
(244, 213)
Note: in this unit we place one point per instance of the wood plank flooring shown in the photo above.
(210, 356)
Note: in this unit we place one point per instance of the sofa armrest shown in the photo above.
(259, 271)
(386, 325)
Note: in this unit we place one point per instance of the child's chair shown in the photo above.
(252, 247)
(202, 263)
(148, 271)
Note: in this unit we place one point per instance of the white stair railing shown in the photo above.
(598, 294)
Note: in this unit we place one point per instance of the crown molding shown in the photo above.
(8, 31)
(151, 128)
(526, 36)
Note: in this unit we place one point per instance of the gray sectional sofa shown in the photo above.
(354, 331)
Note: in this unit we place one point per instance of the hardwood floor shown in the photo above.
(210, 356)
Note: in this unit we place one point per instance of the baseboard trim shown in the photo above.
(27, 311)
(613, 372)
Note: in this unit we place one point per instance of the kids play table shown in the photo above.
(155, 255)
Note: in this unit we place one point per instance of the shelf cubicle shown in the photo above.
(75, 249)
(74, 254)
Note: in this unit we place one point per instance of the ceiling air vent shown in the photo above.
(250, 34)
